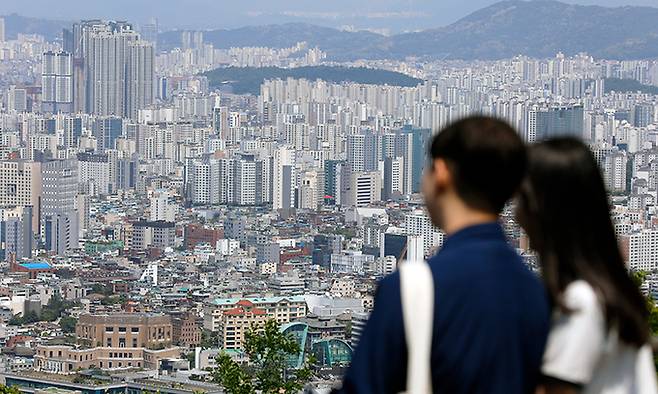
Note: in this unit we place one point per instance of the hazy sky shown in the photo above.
(377, 14)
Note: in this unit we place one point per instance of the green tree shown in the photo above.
(232, 376)
(16, 320)
(268, 350)
(8, 390)
(31, 317)
(639, 278)
(209, 339)
(67, 324)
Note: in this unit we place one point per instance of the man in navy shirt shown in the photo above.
(491, 314)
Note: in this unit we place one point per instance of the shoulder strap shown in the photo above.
(417, 292)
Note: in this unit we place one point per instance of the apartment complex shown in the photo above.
(282, 309)
(234, 323)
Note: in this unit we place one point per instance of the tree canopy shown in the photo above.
(268, 350)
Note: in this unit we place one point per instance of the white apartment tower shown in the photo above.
(419, 224)
(57, 82)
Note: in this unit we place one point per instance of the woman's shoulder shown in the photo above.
(580, 296)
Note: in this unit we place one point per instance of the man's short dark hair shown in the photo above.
(487, 160)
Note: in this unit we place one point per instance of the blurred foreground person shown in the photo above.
(491, 314)
(598, 342)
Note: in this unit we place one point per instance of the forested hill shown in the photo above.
(242, 80)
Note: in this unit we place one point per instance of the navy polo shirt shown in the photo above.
(491, 321)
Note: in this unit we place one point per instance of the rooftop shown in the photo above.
(259, 300)
(38, 265)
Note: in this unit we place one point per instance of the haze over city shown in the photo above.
(386, 15)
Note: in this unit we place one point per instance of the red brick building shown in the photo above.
(196, 234)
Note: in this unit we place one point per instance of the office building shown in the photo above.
(125, 330)
(20, 185)
(16, 235)
(61, 232)
(362, 189)
(107, 130)
(158, 234)
(69, 360)
(59, 215)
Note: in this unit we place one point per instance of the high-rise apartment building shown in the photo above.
(642, 250)
(17, 99)
(419, 224)
(112, 68)
(72, 131)
(393, 170)
(362, 152)
(94, 173)
(557, 121)
(140, 77)
(57, 82)
(149, 32)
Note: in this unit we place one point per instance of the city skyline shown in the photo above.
(167, 198)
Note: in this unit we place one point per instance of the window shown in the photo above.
(122, 329)
(109, 329)
(134, 330)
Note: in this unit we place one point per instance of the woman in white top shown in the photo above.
(599, 339)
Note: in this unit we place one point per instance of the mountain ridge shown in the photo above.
(537, 28)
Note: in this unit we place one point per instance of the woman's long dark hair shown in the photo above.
(564, 208)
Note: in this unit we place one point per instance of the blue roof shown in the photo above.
(36, 266)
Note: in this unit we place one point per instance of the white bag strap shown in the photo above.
(417, 293)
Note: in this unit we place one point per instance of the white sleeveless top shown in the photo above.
(580, 350)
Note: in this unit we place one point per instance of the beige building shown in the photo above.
(237, 321)
(126, 330)
(67, 359)
(20, 185)
(281, 309)
(363, 189)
